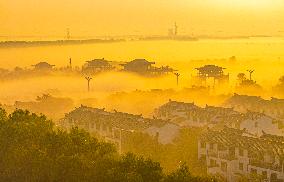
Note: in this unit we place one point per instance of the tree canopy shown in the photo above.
(33, 149)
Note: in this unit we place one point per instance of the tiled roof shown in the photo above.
(239, 138)
(121, 120)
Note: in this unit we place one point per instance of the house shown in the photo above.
(138, 65)
(112, 125)
(188, 114)
(96, 66)
(176, 112)
(43, 66)
(211, 71)
(242, 103)
(144, 67)
(234, 153)
(257, 123)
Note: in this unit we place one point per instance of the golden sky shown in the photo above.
(147, 17)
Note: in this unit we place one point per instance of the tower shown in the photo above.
(88, 80)
(68, 34)
(177, 76)
(175, 29)
(250, 73)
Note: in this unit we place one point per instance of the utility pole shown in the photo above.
(176, 29)
(250, 73)
(88, 79)
(177, 75)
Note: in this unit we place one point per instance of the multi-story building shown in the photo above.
(111, 125)
(234, 154)
(188, 114)
(273, 107)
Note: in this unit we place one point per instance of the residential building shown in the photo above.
(110, 125)
(234, 154)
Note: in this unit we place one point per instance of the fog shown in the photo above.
(116, 90)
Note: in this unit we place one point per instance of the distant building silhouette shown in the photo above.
(43, 66)
(97, 66)
(138, 65)
(212, 71)
(144, 67)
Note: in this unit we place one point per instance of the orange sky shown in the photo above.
(148, 17)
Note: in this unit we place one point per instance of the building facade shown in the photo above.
(111, 125)
(234, 154)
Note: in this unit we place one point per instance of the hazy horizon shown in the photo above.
(131, 17)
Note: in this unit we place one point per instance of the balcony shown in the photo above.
(222, 155)
(265, 165)
(226, 156)
(212, 153)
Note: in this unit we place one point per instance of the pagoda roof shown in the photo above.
(210, 67)
(43, 64)
(139, 61)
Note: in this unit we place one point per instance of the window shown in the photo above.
(256, 124)
(241, 152)
(273, 177)
(92, 125)
(203, 157)
(203, 144)
(224, 166)
(104, 127)
(241, 166)
(212, 162)
(211, 146)
(253, 171)
(97, 126)
(264, 174)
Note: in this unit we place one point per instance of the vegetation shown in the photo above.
(279, 88)
(182, 150)
(32, 149)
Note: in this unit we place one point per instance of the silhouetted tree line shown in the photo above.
(33, 149)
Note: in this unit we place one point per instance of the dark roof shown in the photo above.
(180, 105)
(229, 137)
(121, 120)
(210, 67)
(255, 100)
(43, 64)
(98, 62)
(140, 61)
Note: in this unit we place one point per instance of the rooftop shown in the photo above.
(116, 119)
(229, 137)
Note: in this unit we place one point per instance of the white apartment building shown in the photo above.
(234, 153)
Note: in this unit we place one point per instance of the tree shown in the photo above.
(281, 80)
(241, 77)
(183, 175)
(32, 149)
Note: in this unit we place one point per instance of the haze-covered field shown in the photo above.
(264, 55)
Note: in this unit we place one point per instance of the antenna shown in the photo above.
(250, 73)
(177, 75)
(88, 80)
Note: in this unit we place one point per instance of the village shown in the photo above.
(236, 135)
(90, 68)
(237, 140)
